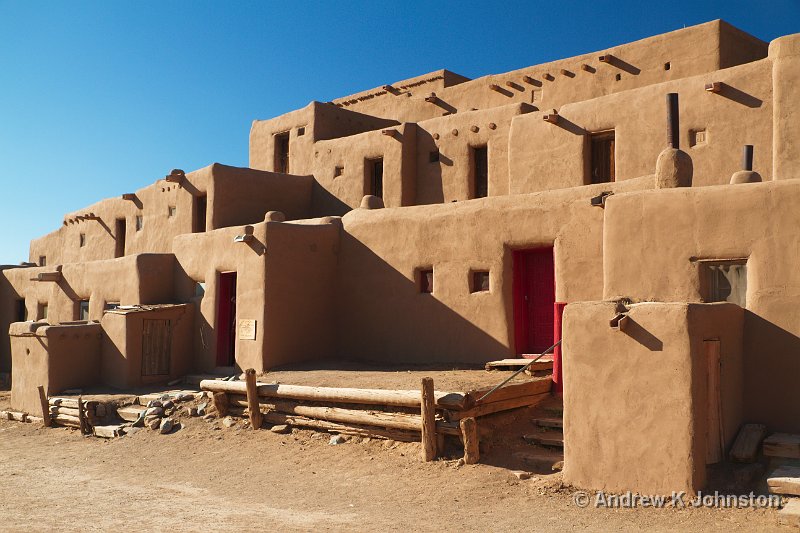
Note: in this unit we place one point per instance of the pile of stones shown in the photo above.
(158, 415)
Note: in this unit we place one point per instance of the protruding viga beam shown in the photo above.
(400, 398)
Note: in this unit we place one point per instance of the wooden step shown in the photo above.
(745, 447)
(550, 422)
(543, 460)
(790, 514)
(108, 432)
(131, 413)
(552, 439)
(785, 480)
(545, 363)
(782, 445)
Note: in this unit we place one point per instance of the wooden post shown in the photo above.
(715, 441)
(428, 410)
(252, 398)
(45, 407)
(220, 400)
(469, 433)
(81, 417)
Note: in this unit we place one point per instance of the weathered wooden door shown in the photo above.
(226, 319)
(534, 299)
(156, 347)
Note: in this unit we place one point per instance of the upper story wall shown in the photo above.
(713, 129)
(147, 221)
(669, 56)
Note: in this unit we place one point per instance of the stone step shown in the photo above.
(550, 422)
(544, 460)
(130, 413)
(550, 438)
(782, 445)
(785, 480)
(790, 514)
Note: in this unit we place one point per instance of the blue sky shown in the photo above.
(102, 98)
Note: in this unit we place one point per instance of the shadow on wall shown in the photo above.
(771, 371)
(383, 316)
(637, 332)
(324, 203)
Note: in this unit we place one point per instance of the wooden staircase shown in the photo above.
(546, 452)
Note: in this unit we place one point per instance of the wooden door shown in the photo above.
(156, 347)
(534, 300)
(226, 319)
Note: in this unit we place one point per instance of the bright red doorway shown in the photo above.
(226, 319)
(534, 296)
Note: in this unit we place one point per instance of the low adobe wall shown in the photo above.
(58, 357)
(636, 401)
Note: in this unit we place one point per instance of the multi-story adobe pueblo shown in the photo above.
(644, 198)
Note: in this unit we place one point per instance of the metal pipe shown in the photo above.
(747, 157)
(672, 121)
(518, 372)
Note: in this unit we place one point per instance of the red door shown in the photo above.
(534, 296)
(226, 319)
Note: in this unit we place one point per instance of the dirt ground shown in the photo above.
(206, 477)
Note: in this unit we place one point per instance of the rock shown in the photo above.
(191, 411)
(558, 466)
(186, 397)
(460, 462)
(168, 404)
(165, 397)
(154, 423)
(166, 426)
(521, 474)
(317, 435)
(202, 412)
(132, 430)
(337, 439)
(228, 422)
(209, 416)
(154, 403)
(281, 428)
(154, 411)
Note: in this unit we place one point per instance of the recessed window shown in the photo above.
(282, 152)
(41, 313)
(171, 210)
(110, 306)
(667, 66)
(374, 168)
(22, 311)
(338, 171)
(139, 222)
(618, 77)
(479, 281)
(301, 131)
(200, 289)
(724, 281)
(480, 171)
(697, 137)
(200, 213)
(42, 260)
(602, 166)
(433, 157)
(83, 310)
(426, 280)
(82, 240)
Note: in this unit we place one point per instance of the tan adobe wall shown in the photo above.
(689, 51)
(122, 346)
(57, 357)
(785, 55)
(666, 230)
(638, 398)
(548, 156)
(318, 122)
(381, 315)
(234, 196)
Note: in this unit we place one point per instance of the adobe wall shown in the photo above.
(58, 357)
(381, 314)
(689, 52)
(121, 361)
(785, 55)
(667, 230)
(549, 156)
(638, 398)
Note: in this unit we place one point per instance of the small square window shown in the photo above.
(42, 260)
(42, 312)
(171, 210)
(725, 281)
(83, 310)
(433, 157)
(83, 240)
(697, 137)
(618, 77)
(139, 222)
(667, 66)
(301, 131)
(426, 281)
(338, 171)
(480, 281)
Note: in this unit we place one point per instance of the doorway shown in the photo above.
(156, 347)
(375, 177)
(534, 299)
(226, 319)
(121, 231)
(200, 209)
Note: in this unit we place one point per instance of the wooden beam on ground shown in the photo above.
(428, 413)
(745, 447)
(45, 407)
(469, 434)
(544, 363)
(57, 410)
(252, 398)
(398, 398)
(351, 416)
(785, 480)
(484, 409)
(782, 445)
(66, 420)
(526, 388)
(273, 417)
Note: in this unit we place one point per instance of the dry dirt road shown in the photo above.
(231, 479)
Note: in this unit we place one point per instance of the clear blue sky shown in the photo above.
(102, 98)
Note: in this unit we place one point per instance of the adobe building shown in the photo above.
(649, 192)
